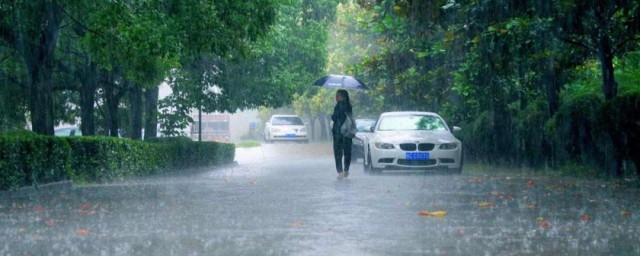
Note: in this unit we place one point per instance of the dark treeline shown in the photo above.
(99, 63)
(532, 83)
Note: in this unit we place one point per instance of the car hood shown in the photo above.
(435, 137)
(362, 135)
(287, 127)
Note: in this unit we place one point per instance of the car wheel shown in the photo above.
(368, 166)
(459, 169)
(266, 139)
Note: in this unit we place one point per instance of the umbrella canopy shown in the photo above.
(340, 82)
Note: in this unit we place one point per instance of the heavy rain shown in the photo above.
(319, 127)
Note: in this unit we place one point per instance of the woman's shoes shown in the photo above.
(340, 175)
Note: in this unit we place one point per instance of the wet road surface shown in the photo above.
(283, 199)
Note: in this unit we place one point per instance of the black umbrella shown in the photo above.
(340, 82)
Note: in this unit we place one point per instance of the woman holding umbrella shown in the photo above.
(341, 144)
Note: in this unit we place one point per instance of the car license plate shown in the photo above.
(291, 135)
(417, 156)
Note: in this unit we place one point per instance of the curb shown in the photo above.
(53, 187)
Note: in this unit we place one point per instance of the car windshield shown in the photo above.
(287, 120)
(412, 122)
(63, 132)
(363, 124)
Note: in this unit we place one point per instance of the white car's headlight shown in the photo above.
(380, 145)
(449, 146)
(303, 130)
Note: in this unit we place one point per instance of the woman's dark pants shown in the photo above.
(342, 147)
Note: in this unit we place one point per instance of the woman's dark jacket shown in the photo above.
(339, 115)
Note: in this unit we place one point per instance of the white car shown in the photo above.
(285, 128)
(412, 140)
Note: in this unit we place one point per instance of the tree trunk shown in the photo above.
(605, 54)
(39, 59)
(553, 100)
(324, 132)
(135, 114)
(151, 113)
(200, 123)
(311, 134)
(87, 99)
(41, 98)
(112, 97)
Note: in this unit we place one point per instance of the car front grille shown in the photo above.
(426, 146)
(408, 147)
(417, 162)
(419, 147)
(446, 160)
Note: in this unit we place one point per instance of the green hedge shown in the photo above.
(27, 159)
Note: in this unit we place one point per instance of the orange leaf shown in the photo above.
(38, 208)
(585, 218)
(83, 231)
(50, 223)
(486, 204)
(297, 224)
(625, 213)
(532, 206)
(544, 224)
(529, 183)
(433, 214)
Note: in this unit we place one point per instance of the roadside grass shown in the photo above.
(568, 170)
(247, 144)
(478, 169)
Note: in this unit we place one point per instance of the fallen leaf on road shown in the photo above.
(585, 218)
(16, 207)
(297, 224)
(625, 213)
(475, 180)
(86, 212)
(38, 208)
(433, 214)
(486, 204)
(543, 223)
(529, 183)
(532, 206)
(83, 231)
(253, 182)
(50, 223)
(460, 231)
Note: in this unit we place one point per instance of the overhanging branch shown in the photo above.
(578, 43)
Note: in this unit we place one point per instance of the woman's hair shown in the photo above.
(347, 100)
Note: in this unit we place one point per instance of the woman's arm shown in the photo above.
(334, 116)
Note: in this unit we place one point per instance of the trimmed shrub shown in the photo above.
(575, 134)
(620, 117)
(27, 159)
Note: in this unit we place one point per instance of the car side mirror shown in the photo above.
(456, 129)
(370, 129)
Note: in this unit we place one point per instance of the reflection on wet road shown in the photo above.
(283, 199)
